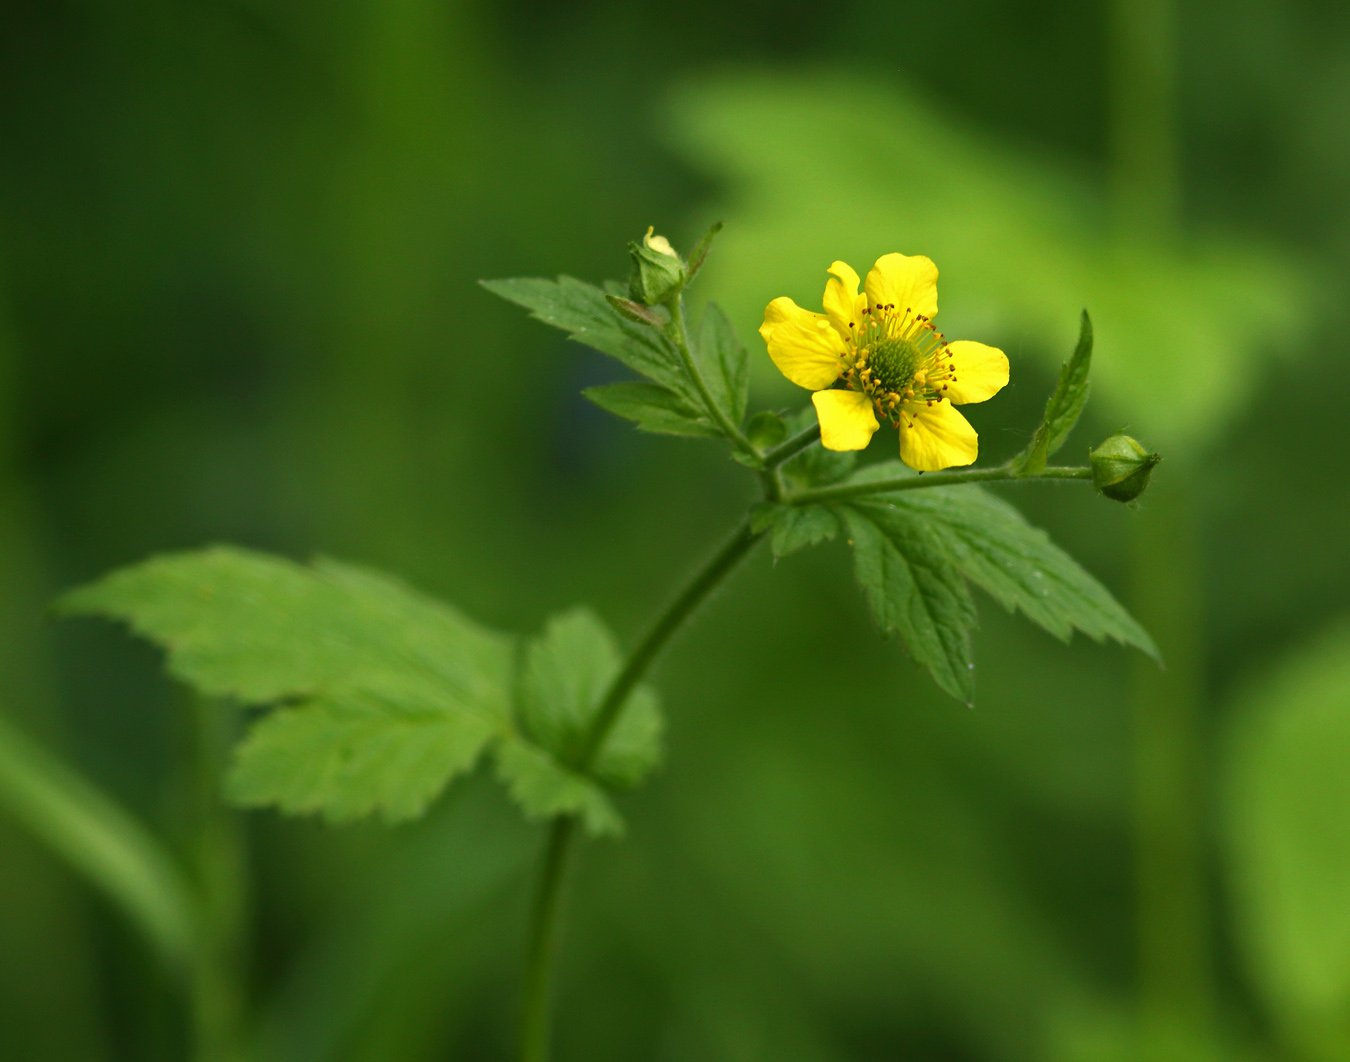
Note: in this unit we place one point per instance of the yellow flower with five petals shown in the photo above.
(880, 343)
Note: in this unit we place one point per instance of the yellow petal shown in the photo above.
(843, 302)
(658, 243)
(905, 282)
(936, 437)
(846, 419)
(802, 344)
(981, 372)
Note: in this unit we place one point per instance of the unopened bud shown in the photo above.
(1121, 468)
(658, 272)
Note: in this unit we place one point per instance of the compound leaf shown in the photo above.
(994, 547)
(388, 693)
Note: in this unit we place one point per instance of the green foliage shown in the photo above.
(1064, 406)
(700, 252)
(724, 363)
(567, 672)
(914, 589)
(766, 429)
(1287, 806)
(583, 311)
(794, 526)
(388, 694)
(652, 407)
(913, 551)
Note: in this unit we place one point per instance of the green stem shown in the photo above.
(534, 1039)
(538, 995)
(844, 491)
(679, 337)
(791, 447)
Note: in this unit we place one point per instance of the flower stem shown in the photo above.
(538, 995)
(844, 491)
(791, 447)
(679, 337)
(534, 1039)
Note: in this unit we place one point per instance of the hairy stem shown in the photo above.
(844, 491)
(535, 1011)
(791, 447)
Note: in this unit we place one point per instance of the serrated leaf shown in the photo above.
(389, 693)
(914, 589)
(724, 363)
(351, 756)
(1064, 406)
(584, 313)
(544, 789)
(568, 671)
(994, 547)
(795, 526)
(652, 407)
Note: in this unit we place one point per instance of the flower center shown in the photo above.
(900, 361)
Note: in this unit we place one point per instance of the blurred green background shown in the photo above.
(238, 246)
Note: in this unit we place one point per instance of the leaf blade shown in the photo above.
(1064, 406)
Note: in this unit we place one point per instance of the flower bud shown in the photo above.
(1121, 468)
(658, 272)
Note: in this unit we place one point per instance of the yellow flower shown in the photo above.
(658, 243)
(893, 363)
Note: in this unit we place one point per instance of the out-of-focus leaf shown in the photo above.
(700, 252)
(96, 836)
(1022, 241)
(652, 407)
(567, 673)
(766, 429)
(584, 313)
(1064, 407)
(1017, 564)
(914, 589)
(544, 788)
(1287, 811)
(389, 693)
(724, 363)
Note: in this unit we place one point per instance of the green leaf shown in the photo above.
(795, 526)
(913, 588)
(1063, 408)
(568, 670)
(584, 313)
(724, 363)
(388, 693)
(101, 840)
(766, 429)
(544, 788)
(1017, 564)
(652, 407)
(700, 252)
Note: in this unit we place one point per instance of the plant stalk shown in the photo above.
(844, 491)
(535, 1009)
(791, 447)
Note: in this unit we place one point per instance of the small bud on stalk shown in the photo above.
(658, 272)
(1121, 468)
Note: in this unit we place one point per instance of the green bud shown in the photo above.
(1121, 468)
(658, 272)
